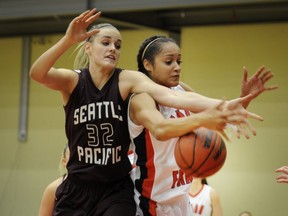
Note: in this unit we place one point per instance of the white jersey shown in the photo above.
(201, 202)
(158, 180)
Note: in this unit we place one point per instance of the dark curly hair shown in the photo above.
(149, 49)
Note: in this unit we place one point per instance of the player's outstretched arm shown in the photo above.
(147, 114)
(42, 69)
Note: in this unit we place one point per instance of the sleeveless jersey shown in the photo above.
(97, 131)
(157, 177)
(201, 202)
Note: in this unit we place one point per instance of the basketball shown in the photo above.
(201, 153)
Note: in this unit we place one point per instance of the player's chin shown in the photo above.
(110, 61)
(110, 65)
(174, 81)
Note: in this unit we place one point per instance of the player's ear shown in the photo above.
(147, 65)
(88, 47)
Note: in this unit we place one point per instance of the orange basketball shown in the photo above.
(201, 153)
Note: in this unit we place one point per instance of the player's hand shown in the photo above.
(236, 105)
(77, 29)
(283, 177)
(255, 85)
(241, 129)
(217, 117)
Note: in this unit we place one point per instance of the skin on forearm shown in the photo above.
(165, 96)
(196, 102)
(170, 128)
(146, 114)
(61, 79)
(43, 65)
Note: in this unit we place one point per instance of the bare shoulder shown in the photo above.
(141, 102)
(214, 194)
(132, 74)
(66, 70)
(131, 82)
(130, 71)
(52, 187)
(69, 72)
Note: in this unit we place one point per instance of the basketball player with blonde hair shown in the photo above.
(48, 197)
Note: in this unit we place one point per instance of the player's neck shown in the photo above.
(196, 186)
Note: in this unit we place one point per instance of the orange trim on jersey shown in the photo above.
(194, 195)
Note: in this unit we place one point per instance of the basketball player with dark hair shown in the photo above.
(161, 188)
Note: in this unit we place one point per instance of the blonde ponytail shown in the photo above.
(81, 59)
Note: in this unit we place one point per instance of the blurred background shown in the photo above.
(217, 38)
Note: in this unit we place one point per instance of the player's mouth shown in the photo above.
(111, 57)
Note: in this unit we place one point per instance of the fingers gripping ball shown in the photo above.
(201, 153)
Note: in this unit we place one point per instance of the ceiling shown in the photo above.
(27, 17)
